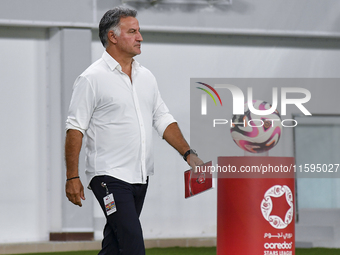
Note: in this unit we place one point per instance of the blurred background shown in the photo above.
(45, 45)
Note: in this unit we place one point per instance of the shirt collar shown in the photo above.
(113, 64)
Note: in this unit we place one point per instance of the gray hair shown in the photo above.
(110, 21)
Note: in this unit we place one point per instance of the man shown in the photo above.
(116, 102)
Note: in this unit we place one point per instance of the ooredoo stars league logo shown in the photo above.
(267, 206)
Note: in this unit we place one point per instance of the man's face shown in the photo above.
(129, 41)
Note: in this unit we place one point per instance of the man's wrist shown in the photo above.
(188, 152)
(75, 177)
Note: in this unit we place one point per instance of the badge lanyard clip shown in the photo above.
(104, 186)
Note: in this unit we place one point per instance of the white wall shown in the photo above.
(78, 12)
(24, 163)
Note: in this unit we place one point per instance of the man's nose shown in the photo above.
(139, 37)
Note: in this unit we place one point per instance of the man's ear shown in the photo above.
(112, 37)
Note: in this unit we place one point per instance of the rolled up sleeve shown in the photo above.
(161, 116)
(81, 106)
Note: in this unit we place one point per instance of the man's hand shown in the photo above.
(75, 191)
(74, 188)
(194, 161)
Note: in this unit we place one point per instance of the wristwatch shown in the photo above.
(191, 151)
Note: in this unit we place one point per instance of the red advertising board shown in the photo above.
(255, 216)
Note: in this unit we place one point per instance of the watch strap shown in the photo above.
(187, 153)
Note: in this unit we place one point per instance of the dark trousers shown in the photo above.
(122, 233)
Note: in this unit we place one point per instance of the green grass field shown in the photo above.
(196, 251)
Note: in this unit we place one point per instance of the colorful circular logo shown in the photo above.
(267, 206)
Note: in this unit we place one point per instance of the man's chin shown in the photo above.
(136, 53)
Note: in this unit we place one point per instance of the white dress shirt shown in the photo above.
(117, 116)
